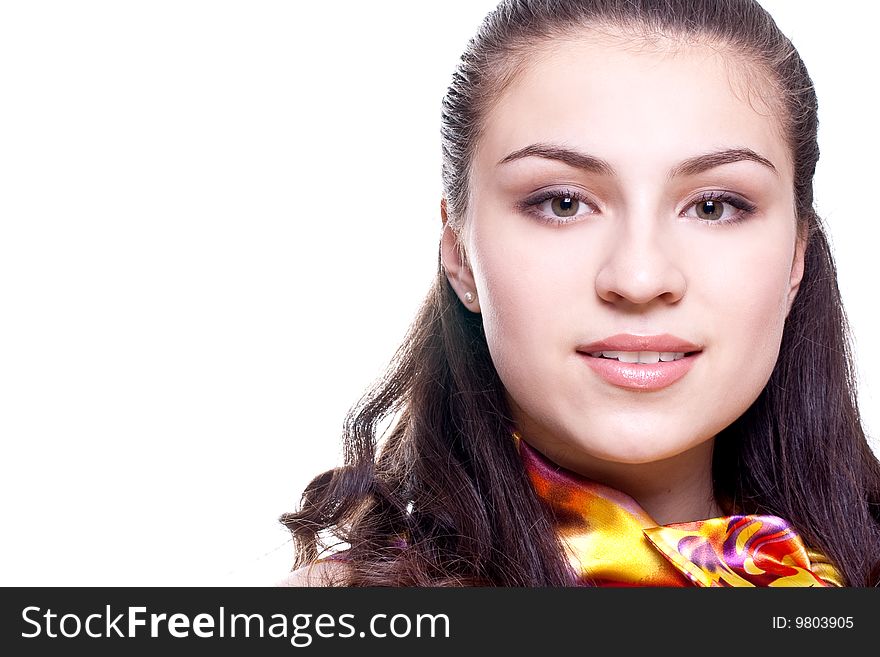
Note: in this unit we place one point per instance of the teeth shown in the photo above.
(639, 356)
(649, 356)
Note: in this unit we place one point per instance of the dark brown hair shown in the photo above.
(448, 479)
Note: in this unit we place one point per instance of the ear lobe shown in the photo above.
(797, 270)
(454, 260)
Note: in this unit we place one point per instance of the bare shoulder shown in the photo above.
(321, 573)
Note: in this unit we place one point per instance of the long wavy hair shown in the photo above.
(445, 501)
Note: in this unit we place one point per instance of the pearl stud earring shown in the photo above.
(469, 297)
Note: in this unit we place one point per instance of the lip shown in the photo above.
(629, 342)
(641, 376)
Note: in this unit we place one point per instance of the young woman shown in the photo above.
(633, 368)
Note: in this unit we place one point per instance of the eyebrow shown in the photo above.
(591, 164)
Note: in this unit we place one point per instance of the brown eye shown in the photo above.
(710, 210)
(558, 207)
(564, 206)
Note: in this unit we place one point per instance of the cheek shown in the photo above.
(534, 300)
(739, 300)
(743, 286)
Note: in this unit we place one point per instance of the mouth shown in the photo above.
(642, 371)
(643, 357)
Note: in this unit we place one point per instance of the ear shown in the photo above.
(455, 264)
(797, 269)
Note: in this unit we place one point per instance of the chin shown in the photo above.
(632, 457)
(635, 450)
(640, 458)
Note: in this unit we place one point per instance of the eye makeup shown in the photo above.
(531, 206)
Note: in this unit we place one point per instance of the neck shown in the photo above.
(672, 490)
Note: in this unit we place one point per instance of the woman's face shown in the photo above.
(626, 191)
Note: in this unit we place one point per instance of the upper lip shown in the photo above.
(628, 342)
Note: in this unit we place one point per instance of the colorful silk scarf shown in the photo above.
(612, 541)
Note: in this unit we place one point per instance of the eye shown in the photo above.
(720, 207)
(558, 206)
(565, 206)
(712, 210)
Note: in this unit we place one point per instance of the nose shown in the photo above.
(641, 265)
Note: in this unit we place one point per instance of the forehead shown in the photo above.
(643, 104)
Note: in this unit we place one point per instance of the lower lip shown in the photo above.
(641, 376)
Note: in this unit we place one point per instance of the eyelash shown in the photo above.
(745, 208)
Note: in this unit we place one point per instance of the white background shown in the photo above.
(217, 220)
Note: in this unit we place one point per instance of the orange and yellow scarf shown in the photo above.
(612, 541)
